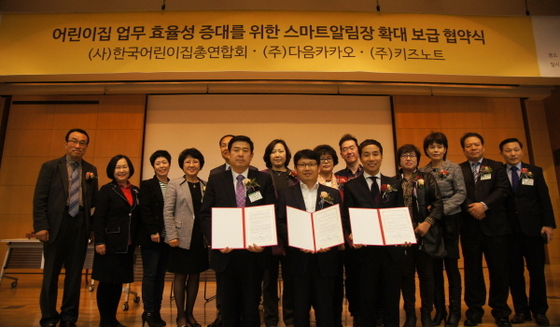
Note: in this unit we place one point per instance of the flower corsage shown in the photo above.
(251, 184)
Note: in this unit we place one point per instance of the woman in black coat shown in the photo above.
(116, 216)
(151, 233)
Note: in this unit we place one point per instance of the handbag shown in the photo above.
(432, 242)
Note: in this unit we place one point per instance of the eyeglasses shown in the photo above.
(408, 155)
(326, 159)
(304, 165)
(81, 143)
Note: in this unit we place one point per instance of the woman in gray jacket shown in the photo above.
(189, 253)
(451, 185)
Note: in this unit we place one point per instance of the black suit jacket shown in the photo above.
(297, 261)
(115, 221)
(151, 213)
(51, 195)
(221, 193)
(358, 195)
(492, 192)
(531, 205)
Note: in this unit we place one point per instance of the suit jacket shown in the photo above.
(221, 193)
(51, 195)
(358, 195)
(115, 221)
(530, 205)
(179, 214)
(492, 192)
(151, 212)
(296, 260)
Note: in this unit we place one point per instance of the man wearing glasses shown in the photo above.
(64, 196)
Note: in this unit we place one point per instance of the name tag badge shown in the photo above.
(485, 177)
(527, 181)
(255, 196)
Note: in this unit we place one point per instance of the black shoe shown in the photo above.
(542, 320)
(68, 324)
(472, 321)
(439, 317)
(152, 319)
(410, 321)
(426, 320)
(520, 318)
(503, 322)
(216, 323)
(162, 322)
(453, 319)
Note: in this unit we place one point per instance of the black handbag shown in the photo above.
(432, 242)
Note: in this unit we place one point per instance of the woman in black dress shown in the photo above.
(116, 216)
(189, 253)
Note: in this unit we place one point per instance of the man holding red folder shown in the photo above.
(313, 272)
(239, 273)
(380, 267)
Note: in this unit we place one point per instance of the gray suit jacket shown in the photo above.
(51, 195)
(178, 211)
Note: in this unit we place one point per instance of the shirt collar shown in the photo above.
(366, 175)
(245, 174)
(518, 166)
(71, 162)
(304, 186)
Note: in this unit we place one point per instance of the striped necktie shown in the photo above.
(74, 202)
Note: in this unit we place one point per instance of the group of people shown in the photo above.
(501, 211)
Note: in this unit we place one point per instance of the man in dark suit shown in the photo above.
(239, 273)
(64, 196)
(380, 267)
(485, 231)
(313, 273)
(224, 141)
(532, 219)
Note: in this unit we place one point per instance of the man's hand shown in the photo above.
(155, 237)
(477, 210)
(226, 250)
(255, 248)
(42, 235)
(101, 249)
(174, 243)
(549, 231)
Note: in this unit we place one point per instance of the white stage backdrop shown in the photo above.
(176, 122)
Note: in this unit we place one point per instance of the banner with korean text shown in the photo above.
(174, 41)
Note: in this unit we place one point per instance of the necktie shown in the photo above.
(375, 190)
(74, 197)
(240, 192)
(475, 171)
(514, 178)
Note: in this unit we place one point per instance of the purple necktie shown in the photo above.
(74, 202)
(240, 192)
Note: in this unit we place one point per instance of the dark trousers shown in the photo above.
(271, 296)
(108, 298)
(312, 289)
(154, 263)
(419, 261)
(352, 280)
(530, 248)
(495, 250)
(68, 250)
(453, 281)
(239, 291)
(380, 284)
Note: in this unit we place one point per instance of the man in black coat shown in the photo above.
(313, 273)
(380, 267)
(239, 273)
(485, 231)
(532, 219)
(64, 196)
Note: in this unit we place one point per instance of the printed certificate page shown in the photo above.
(328, 227)
(300, 229)
(260, 225)
(365, 226)
(397, 226)
(227, 228)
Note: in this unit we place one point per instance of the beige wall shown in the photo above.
(35, 134)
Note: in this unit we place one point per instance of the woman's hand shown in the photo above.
(422, 228)
(155, 238)
(100, 249)
(174, 243)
